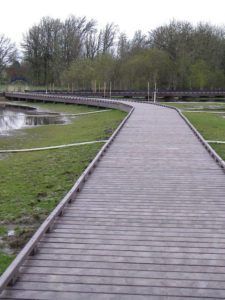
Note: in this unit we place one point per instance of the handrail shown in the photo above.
(71, 99)
(11, 273)
(141, 93)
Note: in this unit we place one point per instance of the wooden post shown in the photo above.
(148, 92)
(155, 94)
(110, 89)
(104, 88)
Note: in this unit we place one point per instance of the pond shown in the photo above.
(15, 117)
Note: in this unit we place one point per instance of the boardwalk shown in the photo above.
(148, 224)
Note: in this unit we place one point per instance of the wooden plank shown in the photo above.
(135, 260)
(139, 248)
(132, 254)
(108, 276)
(86, 278)
(153, 271)
(119, 289)
(55, 295)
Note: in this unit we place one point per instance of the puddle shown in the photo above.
(13, 118)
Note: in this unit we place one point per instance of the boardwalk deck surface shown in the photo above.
(148, 224)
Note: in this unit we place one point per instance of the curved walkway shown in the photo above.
(148, 224)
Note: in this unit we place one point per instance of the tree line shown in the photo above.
(75, 53)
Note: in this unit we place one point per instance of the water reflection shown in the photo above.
(12, 119)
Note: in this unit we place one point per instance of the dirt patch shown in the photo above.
(16, 237)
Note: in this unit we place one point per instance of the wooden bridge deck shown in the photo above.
(148, 224)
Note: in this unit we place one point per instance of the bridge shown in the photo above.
(144, 221)
(141, 93)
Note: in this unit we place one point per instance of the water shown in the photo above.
(12, 118)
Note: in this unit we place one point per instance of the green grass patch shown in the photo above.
(3, 230)
(207, 106)
(5, 260)
(33, 183)
(211, 126)
(220, 149)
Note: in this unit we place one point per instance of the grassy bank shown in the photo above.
(33, 183)
(209, 123)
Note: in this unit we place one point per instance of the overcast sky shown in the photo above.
(17, 16)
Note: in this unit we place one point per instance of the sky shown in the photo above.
(17, 16)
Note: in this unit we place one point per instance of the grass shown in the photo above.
(3, 230)
(33, 183)
(211, 125)
(5, 260)
(207, 106)
(220, 149)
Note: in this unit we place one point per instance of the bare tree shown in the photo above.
(8, 52)
(139, 42)
(74, 35)
(42, 49)
(107, 37)
(123, 46)
(51, 46)
(92, 45)
(182, 52)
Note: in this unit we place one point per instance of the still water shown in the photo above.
(12, 118)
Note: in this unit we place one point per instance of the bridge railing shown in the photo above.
(163, 93)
